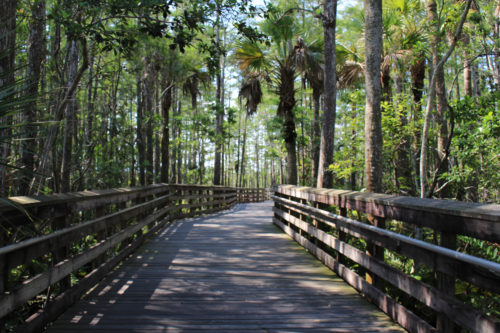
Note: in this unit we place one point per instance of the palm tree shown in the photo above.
(279, 68)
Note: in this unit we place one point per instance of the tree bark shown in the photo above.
(404, 180)
(219, 108)
(316, 140)
(70, 118)
(140, 132)
(7, 78)
(28, 145)
(373, 116)
(149, 84)
(325, 177)
(431, 7)
(166, 103)
(242, 162)
(285, 109)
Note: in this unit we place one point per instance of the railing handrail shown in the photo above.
(118, 219)
(465, 218)
(297, 213)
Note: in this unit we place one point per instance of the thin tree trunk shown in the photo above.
(157, 150)
(70, 118)
(166, 103)
(149, 112)
(325, 177)
(35, 57)
(404, 180)
(219, 107)
(244, 143)
(238, 161)
(140, 132)
(179, 147)
(257, 158)
(431, 5)
(60, 107)
(316, 140)
(7, 78)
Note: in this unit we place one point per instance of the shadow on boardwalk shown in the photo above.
(232, 271)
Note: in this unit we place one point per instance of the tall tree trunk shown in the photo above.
(179, 146)
(35, 58)
(140, 132)
(219, 107)
(257, 159)
(166, 103)
(467, 65)
(373, 116)
(48, 157)
(325, 177)
(242, 162)
(157, 150)
(238, 160)
(7, 78)
(316, 140)
(133, 181)
(432, 12)
(70, 118)
(149, 84)
(285, 109)
(404, 180)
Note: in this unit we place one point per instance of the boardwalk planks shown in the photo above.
(225, 272)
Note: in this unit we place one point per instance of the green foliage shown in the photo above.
(476, 146)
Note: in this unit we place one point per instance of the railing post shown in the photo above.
(342, 235)
(446, 283)
(4, 274)
(100, 211)
(61, 253)
(375, 251)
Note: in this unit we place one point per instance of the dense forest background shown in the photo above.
(101, 94)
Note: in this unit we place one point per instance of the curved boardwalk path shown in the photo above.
(232, 271)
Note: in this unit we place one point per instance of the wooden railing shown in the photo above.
(327, 223)
(253, 194)
(55, 247)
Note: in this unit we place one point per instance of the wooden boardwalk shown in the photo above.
(226, 272)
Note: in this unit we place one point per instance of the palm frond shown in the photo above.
(251, 91)
(250, 57)
(350, 73)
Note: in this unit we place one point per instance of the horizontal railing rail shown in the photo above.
(53, 248)
(329, 224)
(253, 194)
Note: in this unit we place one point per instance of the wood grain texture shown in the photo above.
(471, 219)
(226, 272)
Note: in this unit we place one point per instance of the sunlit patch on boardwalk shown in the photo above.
(232, 271)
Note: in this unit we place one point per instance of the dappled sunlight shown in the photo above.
(232, 270)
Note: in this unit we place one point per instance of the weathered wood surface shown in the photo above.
(303, 214)
(225, 272)
(471, 219)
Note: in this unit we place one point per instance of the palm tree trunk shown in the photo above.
(325, 177)
(373, 116)
(285, 109)
(242, 162)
